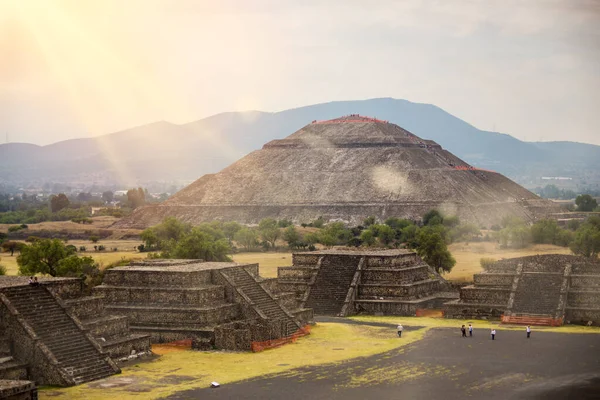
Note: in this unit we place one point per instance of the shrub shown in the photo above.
(3, 270)
(94, 239)
(101, 248)
(311, 247)
(81, 248)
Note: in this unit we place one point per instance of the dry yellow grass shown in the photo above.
(268, 262)
(468, 256)
(10, 263)
(176, 371)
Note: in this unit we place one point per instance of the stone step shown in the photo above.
(123, 346)
(107, 326)
(152, 313)
(86, 307)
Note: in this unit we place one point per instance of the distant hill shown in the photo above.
(165, 152)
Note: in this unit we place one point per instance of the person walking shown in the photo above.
(493, 333)
(400, 329)
(528, 330)
(470, 330)
(463, 331)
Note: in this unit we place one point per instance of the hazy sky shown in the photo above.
(86, 67)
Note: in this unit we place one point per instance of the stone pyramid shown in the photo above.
(347, 169)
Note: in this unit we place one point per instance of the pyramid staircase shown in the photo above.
(110, 331)
(70, 351)
(330, 288)
(261, 299)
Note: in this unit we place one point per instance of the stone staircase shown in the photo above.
(262, 300)
(328, 293)
(110, 331)
(537, 295)
(78, 357)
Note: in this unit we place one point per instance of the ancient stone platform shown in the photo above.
(386, 282)
(42, 340)
(213, 304)
(536, 290)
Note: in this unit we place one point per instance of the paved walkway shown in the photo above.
(442, 366)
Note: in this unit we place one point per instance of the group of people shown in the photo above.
(33, 281)
(463, 331)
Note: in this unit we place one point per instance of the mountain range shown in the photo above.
(177, 154)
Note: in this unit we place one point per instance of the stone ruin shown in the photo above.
(54, 334)
(536, 290)
(215, 304)
(344, 283)
(347, 169)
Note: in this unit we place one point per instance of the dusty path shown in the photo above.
(442, 366)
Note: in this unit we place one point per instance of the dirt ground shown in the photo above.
(443, 366)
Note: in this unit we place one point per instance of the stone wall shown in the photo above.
(484, 295)
(406, 275)
(492, 279)
(18, 390)
(411, 291)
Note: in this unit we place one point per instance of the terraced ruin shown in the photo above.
(54, 334)
(214, 304)
(347, 169)
(343, 283)
(536, 290)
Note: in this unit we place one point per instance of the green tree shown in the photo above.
(12, 246)
(246, 238)
(311, 238)
(433, 217)
(47, 256)
(200, 245)
(586, 203)
(545, 231)
(334, 233)
(291, 236)
(433, 250)
(367, 222)
(587, 241)
(384, 233)
(368, 237)
(269, 231)
(59, 202)
(398, 223)
(230, 229)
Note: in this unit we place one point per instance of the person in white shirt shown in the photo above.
(470, 330)
(528, 330)
(400, 329)
(493, 333)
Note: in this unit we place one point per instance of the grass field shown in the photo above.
(177, 370)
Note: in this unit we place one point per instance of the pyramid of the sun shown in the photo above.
(347, 169)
